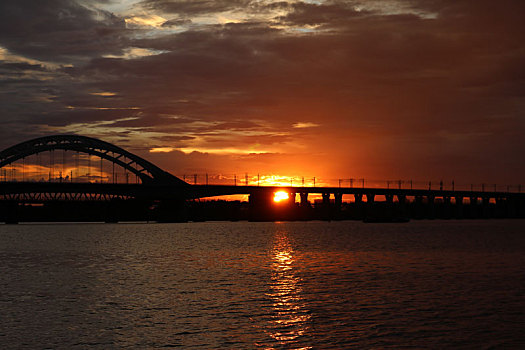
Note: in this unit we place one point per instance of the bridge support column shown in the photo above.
(10, 212)
(473, 207)
(338, 200)
(304, 198)
(291, 198)
(430, 207)
(326, 199)
(326, 207)
(500, 210)
(112, 211)
(370, 207)
(401, 208)
(358, 207)
(485, 201)
(446, 211)
(338, 205)
(260, 205)
(419, 208)
(459, 207)
(520, 207)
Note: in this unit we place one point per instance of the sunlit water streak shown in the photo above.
(339, 285)
(291, 316)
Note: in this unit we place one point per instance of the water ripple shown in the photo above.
(451, 284)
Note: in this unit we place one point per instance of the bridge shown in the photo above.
(62, 170)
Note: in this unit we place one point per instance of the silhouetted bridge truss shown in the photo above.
(31, 172)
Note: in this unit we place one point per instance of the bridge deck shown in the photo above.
(152, 191)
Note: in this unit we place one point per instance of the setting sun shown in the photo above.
(280, 196)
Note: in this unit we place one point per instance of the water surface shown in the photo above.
(319, 285)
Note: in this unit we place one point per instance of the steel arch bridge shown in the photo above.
(148, 173)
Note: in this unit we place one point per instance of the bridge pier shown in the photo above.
(520, 207)
(10, 212)
(304, 206)
(418, 207)
(473, 207)
(401, 210)
(500, 210)
(459, 207)
(291, 198)
(338, 200)
(304, 199)
(430, 213)
(358, 208)
(112, 211)
(259, 206)
(326, 199)
(446, 208)
(369, 210)
(326, 207)
(338, 206)
(485, 203)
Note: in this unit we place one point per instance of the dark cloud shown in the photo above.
(59, 30)
(320, 14)
(438, 90)
(176, 22)
(20, 66)
(195, 7)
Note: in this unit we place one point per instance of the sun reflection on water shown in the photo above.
(290, 320)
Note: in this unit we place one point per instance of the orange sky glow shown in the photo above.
(282, 91)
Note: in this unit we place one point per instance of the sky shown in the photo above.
(376, 89)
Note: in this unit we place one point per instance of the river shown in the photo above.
(293, 285)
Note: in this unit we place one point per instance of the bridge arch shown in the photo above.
(145, 170)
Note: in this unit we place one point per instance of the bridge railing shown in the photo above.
(303, 181)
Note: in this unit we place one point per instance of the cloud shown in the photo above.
(195, 7)
(162, 149)
(400, 88)
(302, 125)
(59, 30)
(145, 21)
